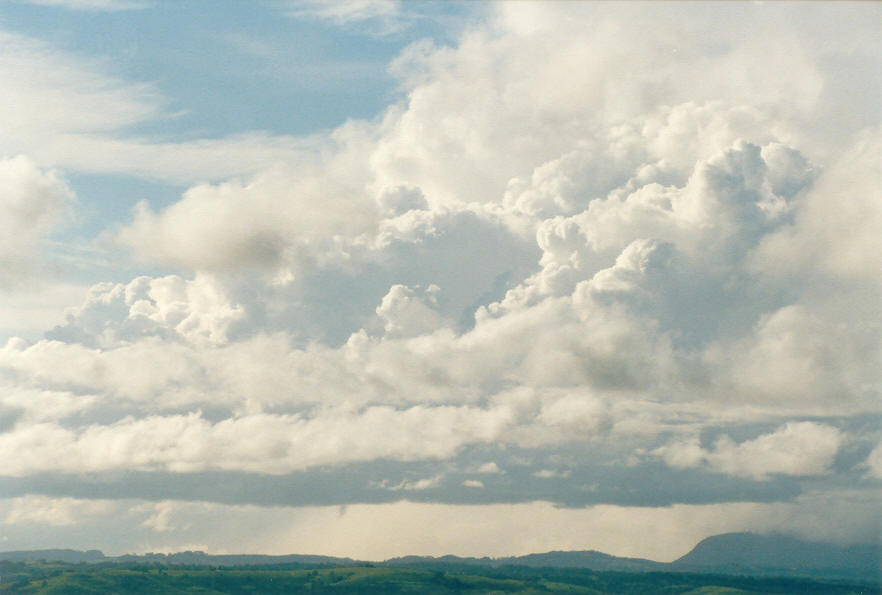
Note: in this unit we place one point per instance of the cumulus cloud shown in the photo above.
(490, 467)
(796, 448)
(274, 444)
(404, 314)
(837, 229)
(569, 239)
(32, 203)
(278, 218)
(804, 354)
(166, 307)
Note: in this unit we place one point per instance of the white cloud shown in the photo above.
(636, 208)
(412, 485)
(374, 17)
(490, 467)
(346, 12)
(551, 473)
(404, 314)
(39, 305)
(807, 355)
(279, 218)
(167, 307)
(181, 162)
(796, 448)
(55, 512)
(160, 517)
(874, 462)
(32, 203)
(837, 230)
(274, 444)
(72, 111)
(47, 92)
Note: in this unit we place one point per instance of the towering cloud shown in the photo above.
(590, 253)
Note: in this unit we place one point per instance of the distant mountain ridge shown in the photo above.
(73, 556)
(749, 553)
(178, 558)
(559, 559)
(730, 553)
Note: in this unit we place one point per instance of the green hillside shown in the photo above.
(77, 578)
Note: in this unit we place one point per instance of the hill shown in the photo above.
(743, 554)
(40, 578)
(575, 559)
(782, 555)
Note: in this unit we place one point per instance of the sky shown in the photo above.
(374, 278)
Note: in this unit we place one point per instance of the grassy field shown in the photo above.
(58, 578)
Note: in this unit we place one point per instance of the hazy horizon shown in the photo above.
(375, 278)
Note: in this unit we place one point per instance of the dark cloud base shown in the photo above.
(377, 482)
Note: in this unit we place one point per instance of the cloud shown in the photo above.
(54, 512)
(48, 92)
(161, 515)
(796, 448)
(414, 485)
(347, 12)
(36, 306)
(550, 474)
(837, 229)
(75, 112)
(384, 17)
(278, 218)
(404, 314)
(167, 307)
(265, 443)
(806, 353)
(175, 162)
(32, 203)
(490, 467)
(570, 242)
(874, 462)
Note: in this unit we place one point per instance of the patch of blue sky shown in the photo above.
(226, 67)
(105, 198)
(104, 203)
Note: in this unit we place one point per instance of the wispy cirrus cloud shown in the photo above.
(377, 17)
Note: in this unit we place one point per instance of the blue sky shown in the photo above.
(372, 278)
(231, 67)
(215, 69)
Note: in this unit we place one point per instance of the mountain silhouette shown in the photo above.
(746, 554)
(749, 553)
